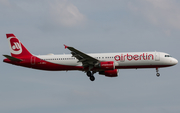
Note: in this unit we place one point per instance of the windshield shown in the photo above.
(167, 56)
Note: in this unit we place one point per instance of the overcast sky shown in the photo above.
(92, 26)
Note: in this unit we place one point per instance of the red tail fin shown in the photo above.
(17, 49)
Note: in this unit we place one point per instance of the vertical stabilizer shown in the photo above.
(17, 49)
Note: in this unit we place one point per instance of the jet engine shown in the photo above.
(109, 73)
(107, 65)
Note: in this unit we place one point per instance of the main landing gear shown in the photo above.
(157, 74)
(90, 75)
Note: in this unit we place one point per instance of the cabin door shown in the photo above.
(157, 56)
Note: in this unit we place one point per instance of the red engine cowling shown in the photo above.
(109, 73)
(108, 65)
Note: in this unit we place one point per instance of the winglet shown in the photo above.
(65, 46)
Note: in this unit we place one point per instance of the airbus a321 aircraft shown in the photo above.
(104, 63)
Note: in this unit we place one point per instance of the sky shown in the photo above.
(91, 26)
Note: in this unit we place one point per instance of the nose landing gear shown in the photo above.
(157, 74)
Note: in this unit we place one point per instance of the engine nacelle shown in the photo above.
(108, 65)
(109, 73)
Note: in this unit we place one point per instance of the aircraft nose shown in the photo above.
(175, 61)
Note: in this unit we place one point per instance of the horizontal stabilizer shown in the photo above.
(12, 58)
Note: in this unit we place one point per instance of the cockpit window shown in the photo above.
(167, 56)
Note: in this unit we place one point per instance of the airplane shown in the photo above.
(104, 63)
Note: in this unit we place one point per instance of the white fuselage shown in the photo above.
(121, 60)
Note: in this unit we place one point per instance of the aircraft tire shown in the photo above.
(89, 73)
(92, 78)
(158, 74)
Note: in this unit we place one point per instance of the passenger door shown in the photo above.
(157, 56)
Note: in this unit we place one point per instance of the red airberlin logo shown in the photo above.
(143, 56)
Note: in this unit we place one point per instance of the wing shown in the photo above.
(87, 61)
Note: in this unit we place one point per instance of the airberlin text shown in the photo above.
(143, 56)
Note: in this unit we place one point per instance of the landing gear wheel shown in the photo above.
(157, 74)
(89, 73)
(92, 78)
